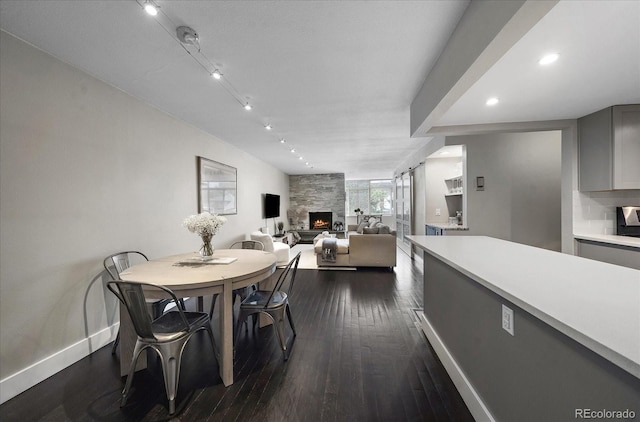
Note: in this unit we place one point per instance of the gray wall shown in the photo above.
(539, 374)
(318, 192)
(436, 171)
(522, 197)
(87, 170)
(420, 189)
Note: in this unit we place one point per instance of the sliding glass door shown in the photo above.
(403, 211)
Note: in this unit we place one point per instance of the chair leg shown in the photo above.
(247, 291)
(242, 318)
(132, 369)
(293, 327)
(115, 343)
(171, 370)
(237, 332)
(242, 297)
(281, 333)
(213, 342)
(171, 358)
(213, 304)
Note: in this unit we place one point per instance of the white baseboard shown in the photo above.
(21, 381)
(473, 401)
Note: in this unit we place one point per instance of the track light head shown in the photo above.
(150, 8)
(187, 35)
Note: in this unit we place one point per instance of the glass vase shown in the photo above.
(206, 251)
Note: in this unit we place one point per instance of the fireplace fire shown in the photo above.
(320, 220)
(321, 224)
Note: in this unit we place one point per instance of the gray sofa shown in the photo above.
(362, 248)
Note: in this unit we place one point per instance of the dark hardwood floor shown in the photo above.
(358, 356)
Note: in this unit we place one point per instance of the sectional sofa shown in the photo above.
(362, 248)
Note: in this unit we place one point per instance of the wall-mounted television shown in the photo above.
(271, 205)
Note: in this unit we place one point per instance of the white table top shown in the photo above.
(195, 278)
(595, 303)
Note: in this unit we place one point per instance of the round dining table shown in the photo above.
(188, 276)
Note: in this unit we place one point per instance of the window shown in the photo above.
(370, 196)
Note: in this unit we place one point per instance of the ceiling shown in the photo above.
(334, 79)
(599, 66)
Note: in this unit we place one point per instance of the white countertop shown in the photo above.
(595, 303)
(632, 242)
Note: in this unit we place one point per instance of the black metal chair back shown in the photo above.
(118, 262)
(287, 279)
(248, 244)
(132, 295)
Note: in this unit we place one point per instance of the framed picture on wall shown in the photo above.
(217, 187)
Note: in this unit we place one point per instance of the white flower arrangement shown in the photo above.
(204, 224)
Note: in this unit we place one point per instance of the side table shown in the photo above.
(286, 238)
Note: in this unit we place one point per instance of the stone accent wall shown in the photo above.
(315, 192)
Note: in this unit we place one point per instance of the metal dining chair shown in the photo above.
(167, 335)
(274, 304)
(248, 244)
(242, 292)
(117, 263)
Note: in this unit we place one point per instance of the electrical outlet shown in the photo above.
(507, 320)
(437, 211)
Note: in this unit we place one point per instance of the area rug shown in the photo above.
(308, 259)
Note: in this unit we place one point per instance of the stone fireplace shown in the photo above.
(316, 192)
(320, 220)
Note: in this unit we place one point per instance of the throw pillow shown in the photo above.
(384, 230)
(370, 230)
(361, 226)
(372, 222)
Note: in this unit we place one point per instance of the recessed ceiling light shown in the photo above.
(300, 158)
(268, 126)
(247, 107)
(293, 150)
(150, 8)
(548, 59)
(306, 164)
(492, 101)
(216, 74)
(282, 141)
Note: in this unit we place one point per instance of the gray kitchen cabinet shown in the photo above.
(613, 254)
(609, 149)
(626, 147)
